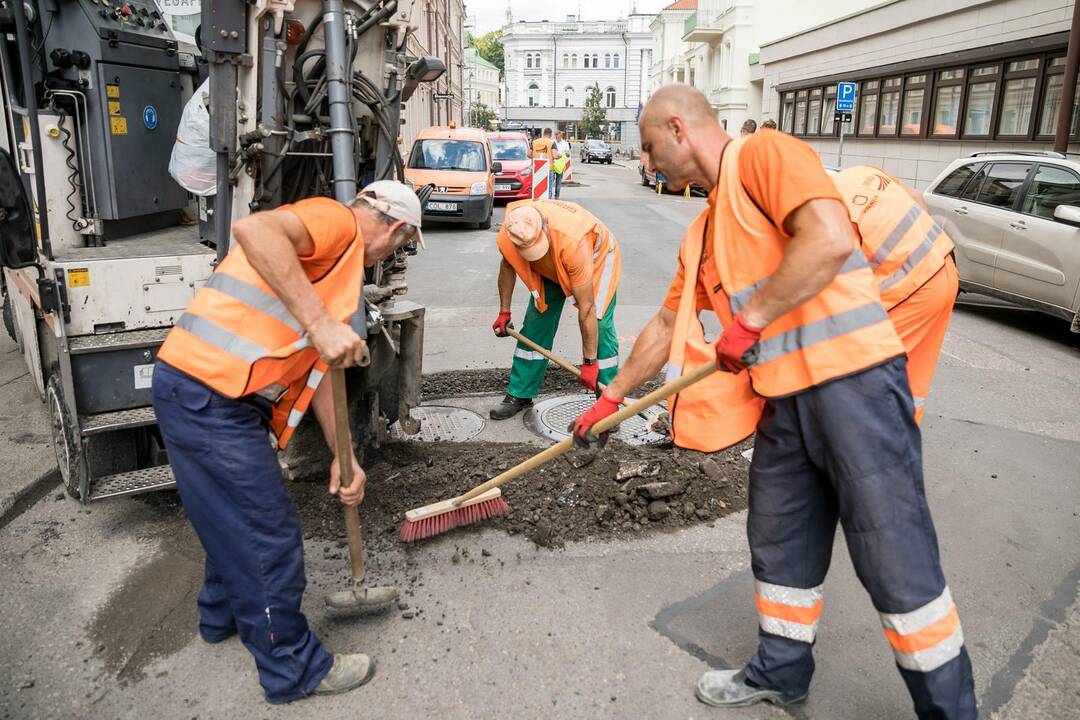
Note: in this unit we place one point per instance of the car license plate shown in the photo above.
(442, 206)
(502, 188)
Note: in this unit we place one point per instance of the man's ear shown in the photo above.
(677, 128)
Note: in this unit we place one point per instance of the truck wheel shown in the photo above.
(485, 224)
(69, 459)
(9, 319)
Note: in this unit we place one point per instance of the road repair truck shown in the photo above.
(102, 249)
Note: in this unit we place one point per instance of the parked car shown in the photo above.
(1015, 219)
(595, 151)
(648, 179)
(511, 150)
(457, 161)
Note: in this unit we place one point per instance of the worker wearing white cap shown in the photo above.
(558, 249)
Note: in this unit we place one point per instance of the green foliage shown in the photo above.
(481, 116)
(489, 46)
(594, 116)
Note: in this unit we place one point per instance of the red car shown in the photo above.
(511, 149)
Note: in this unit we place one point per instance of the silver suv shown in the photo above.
(1015, 219)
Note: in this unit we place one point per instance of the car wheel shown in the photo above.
(485, 224)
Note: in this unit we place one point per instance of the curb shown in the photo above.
(14, 505)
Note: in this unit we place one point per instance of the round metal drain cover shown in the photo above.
(550, 418)
(442, 423)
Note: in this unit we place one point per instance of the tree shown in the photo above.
(481, 116)
(594, 116)
(489, 46)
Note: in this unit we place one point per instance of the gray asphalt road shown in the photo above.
(98, 616)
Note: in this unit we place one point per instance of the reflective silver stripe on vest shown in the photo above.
(855, 261)
(253, 297)
(605, 363)
(819, 331)
(896, 235)
(221, 338)
(528, 354)
(314, 378)
(919, 401)
(672, 372)
(605, 279)
(924, 249)
(295, 416)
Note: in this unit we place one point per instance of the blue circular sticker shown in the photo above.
(150, 117)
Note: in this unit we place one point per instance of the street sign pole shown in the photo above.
(840, 150)
(845, 109)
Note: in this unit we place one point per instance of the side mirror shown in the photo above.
(496, 167)
(1068, 214)
(18, 245)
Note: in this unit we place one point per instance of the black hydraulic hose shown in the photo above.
(387, 10)
(74, 178)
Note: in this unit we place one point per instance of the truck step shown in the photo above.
(117, 341)
(131, 483)
(118, 420)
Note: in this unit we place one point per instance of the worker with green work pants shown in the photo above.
(557, 249)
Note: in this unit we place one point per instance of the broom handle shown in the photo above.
(343, 450)
(602, 426)
(547, 353)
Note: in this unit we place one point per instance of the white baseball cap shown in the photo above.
(525, 226)
(396, 200)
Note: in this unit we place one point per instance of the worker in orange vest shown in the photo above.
(911, 257)
(247, 356)
(837, 439)
(558, 249)
(544, 147)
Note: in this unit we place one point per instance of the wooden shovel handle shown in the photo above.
(344, 453)
(656, 396)
(547, 353)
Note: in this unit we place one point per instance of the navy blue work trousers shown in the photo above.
(850, 450)
(232, 489)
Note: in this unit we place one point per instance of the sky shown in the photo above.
(490, 14)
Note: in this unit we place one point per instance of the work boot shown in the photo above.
(731, 689)
(347, 673)
(509, 407)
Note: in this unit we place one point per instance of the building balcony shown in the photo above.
(701, 28)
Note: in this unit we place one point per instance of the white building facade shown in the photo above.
(550, 67)
(482, 83)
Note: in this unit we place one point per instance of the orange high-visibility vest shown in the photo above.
(722, 409)
(567, 223)
(238, 338)
(840, 331)
(902, 243)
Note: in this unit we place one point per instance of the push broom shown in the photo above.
(485, 501)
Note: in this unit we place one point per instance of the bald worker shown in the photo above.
(837, 440)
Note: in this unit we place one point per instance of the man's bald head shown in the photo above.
(683, 101)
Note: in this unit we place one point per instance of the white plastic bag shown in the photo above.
(193, 164)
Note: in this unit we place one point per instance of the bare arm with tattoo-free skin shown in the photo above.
(322, 404)
(507, 278)
(590, 327)
(648, 356)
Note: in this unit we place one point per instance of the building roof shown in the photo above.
(682, 5)
(474, 58)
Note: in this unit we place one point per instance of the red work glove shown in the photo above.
(737, 346)
(603, 407)
(590, 374)
(502, 323)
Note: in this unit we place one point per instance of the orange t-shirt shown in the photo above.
(542, 147)
(576, 260)
(332, 228)
(781, 174)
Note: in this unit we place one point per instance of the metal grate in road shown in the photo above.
(551, 418)
(441, 423)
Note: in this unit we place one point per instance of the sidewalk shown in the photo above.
(25, 433)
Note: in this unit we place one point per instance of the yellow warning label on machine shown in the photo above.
(112, 91)
(118, 125)
(114, 107)
(78, 277)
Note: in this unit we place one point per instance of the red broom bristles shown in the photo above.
(458, 517)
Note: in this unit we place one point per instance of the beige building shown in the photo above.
(936, 81)
(440, 32)
(482, 83)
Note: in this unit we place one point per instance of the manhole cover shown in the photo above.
(550, 419)
(441, 423)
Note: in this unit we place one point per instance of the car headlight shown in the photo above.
(478, 188)
(526, 172)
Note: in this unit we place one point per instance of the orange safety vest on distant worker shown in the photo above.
(902, 243)
(238, 338)
(566, 223)
(840, 331)
(722, 409)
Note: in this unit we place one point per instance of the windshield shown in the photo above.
(448, 155)
(594, 144)
(509, 150)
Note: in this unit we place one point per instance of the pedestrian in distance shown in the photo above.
(748, 128)
(248, 356)
(558, 250)
(543, 147)
(804, 327)
(769, 124)
(561, 152)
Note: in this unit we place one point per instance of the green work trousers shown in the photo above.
(527, 370)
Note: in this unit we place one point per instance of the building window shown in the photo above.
(890, 107)
(868, 103)
(568, 96)
(979, 112)
(1055, 82)
(534, 95)
(813, 113)
(615, 60)
(573, 60)
(609, 96)
(947, 103)
(607, 60)
(565, 60)
(828, 111)
(911, 115)
(787, 116)
(800, 113)
(595, 61)
(1018, 98)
